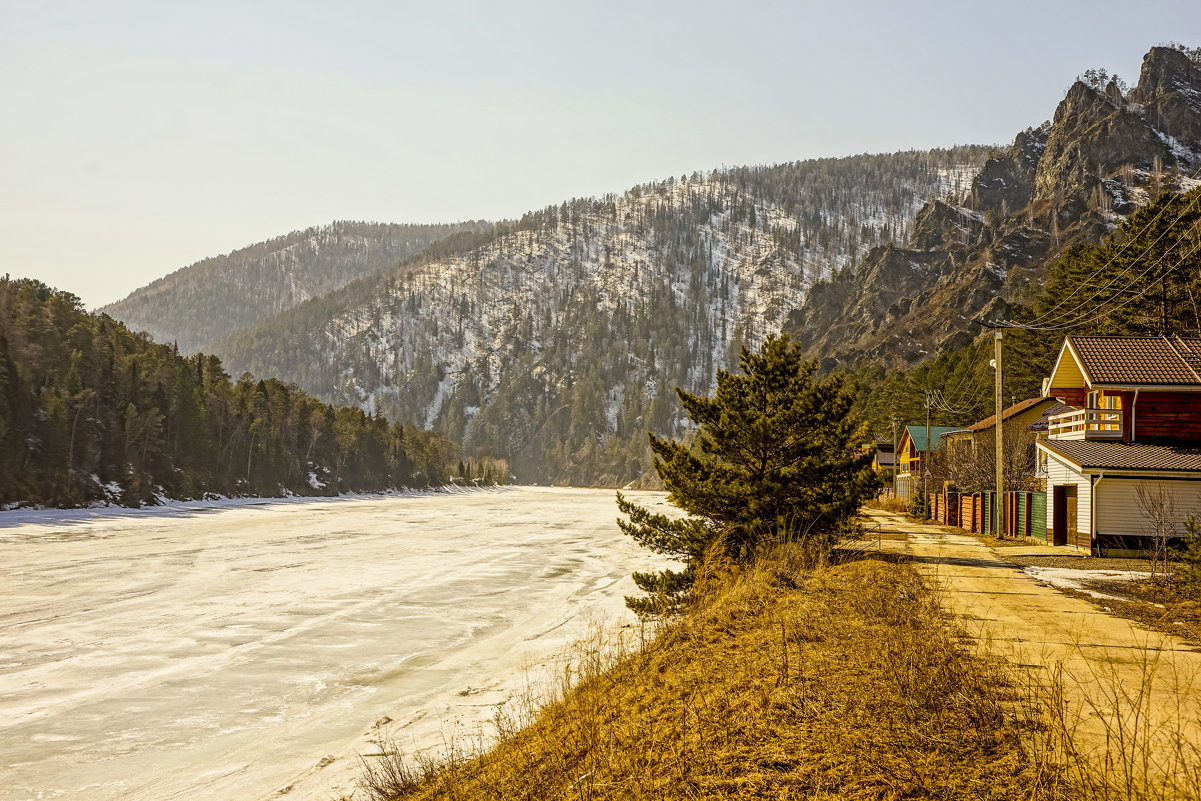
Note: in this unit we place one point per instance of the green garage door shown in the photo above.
(1038, 515)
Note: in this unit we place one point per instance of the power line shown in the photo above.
(1101, 312)
(1122, 250)
(1047, 318)
(963, 375)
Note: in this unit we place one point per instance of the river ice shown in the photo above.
(225, 653)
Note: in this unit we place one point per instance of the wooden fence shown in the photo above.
(1025, 512)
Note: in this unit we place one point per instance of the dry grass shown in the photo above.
(842, 682)
(889, 505)
(855, 686)
(1154, 603)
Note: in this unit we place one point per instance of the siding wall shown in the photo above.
(1118, 512)
(1073, 396)
(1061, 473)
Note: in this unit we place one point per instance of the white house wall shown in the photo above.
(1118, 510)
(1060, 472)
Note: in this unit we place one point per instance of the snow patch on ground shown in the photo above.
(1067, 578)
(167, 508)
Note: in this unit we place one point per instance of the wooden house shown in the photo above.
(884, 459)
(971, 451)
(1133, 428)
(910, 453)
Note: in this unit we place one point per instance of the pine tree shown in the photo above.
(775, 461)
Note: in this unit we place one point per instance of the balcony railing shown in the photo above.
(1086, 424)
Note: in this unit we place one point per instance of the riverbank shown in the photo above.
(845, 682)
(852, 681)
(74, 515)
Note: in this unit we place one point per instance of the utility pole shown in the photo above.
(926, 464)
(1163, 304)
(1000, 501)
(895, 456)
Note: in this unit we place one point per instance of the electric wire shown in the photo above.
(1101, 312)
(1092, 300)
(1042, 317)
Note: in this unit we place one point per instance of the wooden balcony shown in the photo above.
(1086, 424)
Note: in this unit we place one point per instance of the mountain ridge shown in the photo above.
(657, 287)
(555, 340)
(1103, 155)
(198, 305)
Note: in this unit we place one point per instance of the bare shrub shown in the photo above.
(1122, 739)
(1159, 511)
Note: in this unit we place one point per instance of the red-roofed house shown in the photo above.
(1135, 421)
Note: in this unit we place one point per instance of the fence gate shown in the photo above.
(1038, 515)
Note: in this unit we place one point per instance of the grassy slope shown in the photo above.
(847, 682)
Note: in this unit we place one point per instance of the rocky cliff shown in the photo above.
(1072, 179)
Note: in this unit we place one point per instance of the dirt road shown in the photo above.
(1117, 676)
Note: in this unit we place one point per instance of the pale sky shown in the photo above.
(139, 137)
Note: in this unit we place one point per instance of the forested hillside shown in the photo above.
(197, 306)
(1145, 278)
(558, 341)
(90, 411)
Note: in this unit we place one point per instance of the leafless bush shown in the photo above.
(1159, 512)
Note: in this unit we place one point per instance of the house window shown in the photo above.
(1094, 400)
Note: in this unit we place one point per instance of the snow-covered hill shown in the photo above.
(558, 343)
(198, 305)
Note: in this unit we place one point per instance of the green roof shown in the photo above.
(918, 435)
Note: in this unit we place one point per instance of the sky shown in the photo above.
(139, 137)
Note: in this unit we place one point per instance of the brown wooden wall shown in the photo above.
(967, 512)
(1073, 396)
(1175, 415)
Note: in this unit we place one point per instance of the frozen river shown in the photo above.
(231, 652)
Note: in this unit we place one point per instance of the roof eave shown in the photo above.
(1043, 444)
(1156, 387)
(1128, 472)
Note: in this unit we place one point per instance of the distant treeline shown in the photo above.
(90, 411)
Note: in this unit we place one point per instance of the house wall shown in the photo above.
(1060, 472)
(1119, 513)
(1175, 415)
(1073, 396)
(1066, 371)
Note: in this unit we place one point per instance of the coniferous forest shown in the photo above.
(556, 341)
(92, 412)
(1143, 279)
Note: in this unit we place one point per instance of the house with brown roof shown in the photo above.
(884, 459)
(971, 452)
(1130, 440)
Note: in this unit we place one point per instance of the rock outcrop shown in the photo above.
(1066, 181)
